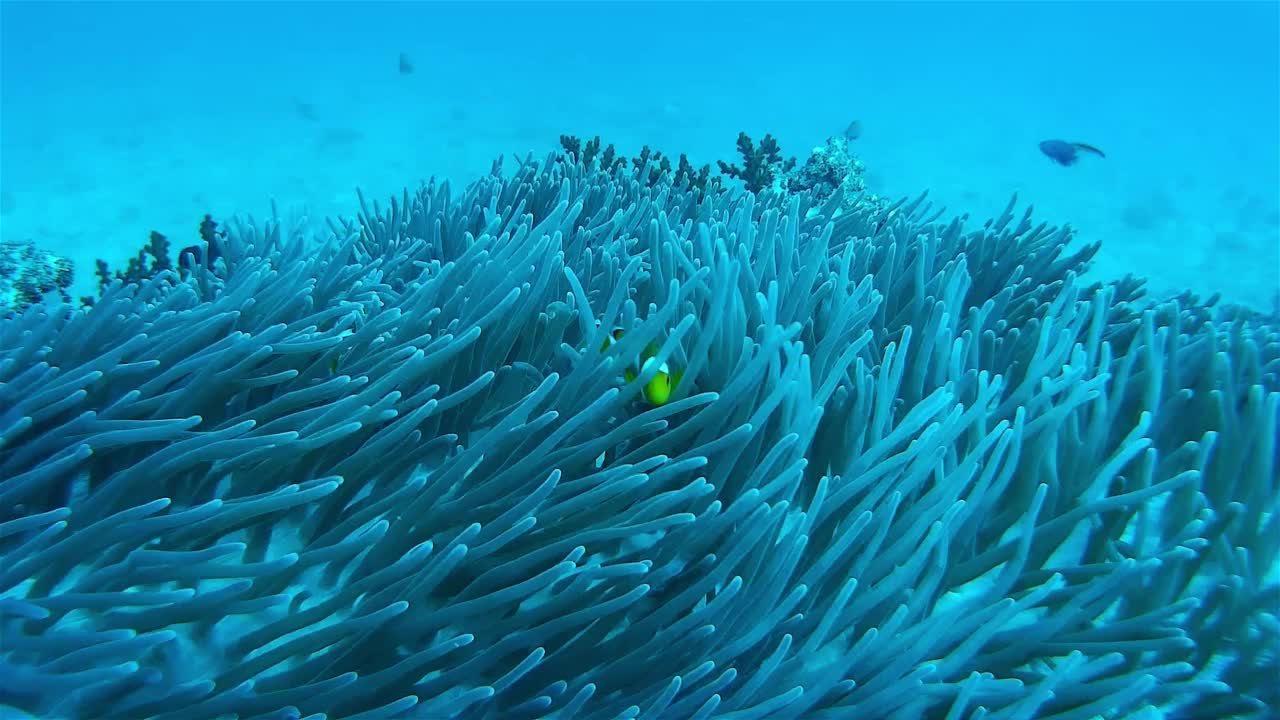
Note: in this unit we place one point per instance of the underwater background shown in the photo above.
(132, 117)
(577, 435)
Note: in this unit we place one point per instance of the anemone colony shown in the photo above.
(909, 470)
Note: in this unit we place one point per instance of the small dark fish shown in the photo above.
(406, 65)
(305, 110)
(1066, 153)
(854, 131)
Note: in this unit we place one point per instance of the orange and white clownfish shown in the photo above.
(660, 387)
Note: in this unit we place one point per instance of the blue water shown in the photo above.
(123, 118)
(1072, 496)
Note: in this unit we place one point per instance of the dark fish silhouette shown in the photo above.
(1066, 153)
(205, 254)
(406, 65)
(854, 131)
(305, 110)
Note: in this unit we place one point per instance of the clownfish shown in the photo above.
(659, 389)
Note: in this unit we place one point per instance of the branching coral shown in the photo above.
(141, 269)
(911, 470)
(762, 166)
(650, 165)
(829, 168)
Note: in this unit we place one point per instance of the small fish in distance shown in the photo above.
(854, 131)
(1066, 153)
(406, 65)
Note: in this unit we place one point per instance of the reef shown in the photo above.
(153, 260)
(828, 168)
(28, 274)
(908, 468)
(762, 167)
(651, 166)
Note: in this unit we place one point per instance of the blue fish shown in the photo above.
(1066, 153)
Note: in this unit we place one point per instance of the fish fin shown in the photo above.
(1088, 148)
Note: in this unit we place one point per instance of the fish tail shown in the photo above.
(1089, 148)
